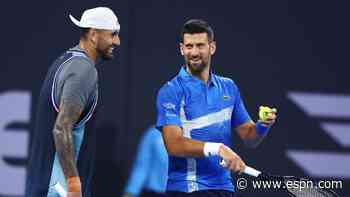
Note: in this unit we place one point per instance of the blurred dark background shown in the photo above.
(289, 54)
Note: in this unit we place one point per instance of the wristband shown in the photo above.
(74, 184)
(261, 129)
(211, 149)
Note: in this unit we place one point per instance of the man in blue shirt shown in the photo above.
(196, 111)
(150, 171)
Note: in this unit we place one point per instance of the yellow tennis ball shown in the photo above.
(264, 112)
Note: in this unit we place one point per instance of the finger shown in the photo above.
(225, 163)
(233, 166)
(271, 116)
(274, 110)
(238, 167)
(267, 122)
(228, 164)
(242, 166)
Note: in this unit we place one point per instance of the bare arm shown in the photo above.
(180, 146)
(63, 137)
(248, 131)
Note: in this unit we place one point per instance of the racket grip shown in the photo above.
(60, 190)
(248, 170)
(251, 171)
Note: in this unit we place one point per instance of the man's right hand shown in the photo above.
(232, 161)
(74, 187)
(74, 194)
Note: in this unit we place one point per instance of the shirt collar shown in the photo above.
(186, 76)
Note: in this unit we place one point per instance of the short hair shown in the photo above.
(84, 32)
(194, 26)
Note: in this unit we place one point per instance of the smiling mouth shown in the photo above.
(196, 61)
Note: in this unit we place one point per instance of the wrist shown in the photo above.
(261, 129)
(211, 148)
(74, 184)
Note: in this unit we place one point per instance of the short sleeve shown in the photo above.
(80, 81)
(168, 106)
(239, 113)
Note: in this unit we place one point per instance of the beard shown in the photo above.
(198, 66)
(105, 52)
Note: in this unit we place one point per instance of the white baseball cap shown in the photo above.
(98, 18)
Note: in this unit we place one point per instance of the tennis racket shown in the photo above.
(286, 180)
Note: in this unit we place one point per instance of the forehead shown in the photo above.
(195, 38)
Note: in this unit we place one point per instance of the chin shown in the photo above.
(197, 67)
(108, 57)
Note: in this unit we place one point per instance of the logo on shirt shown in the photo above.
(169, 106)
(170, 114)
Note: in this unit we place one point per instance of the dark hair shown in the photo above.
(194, 26)
(84, 32)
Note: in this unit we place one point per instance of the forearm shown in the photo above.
(252, 133)
(186, 147)
(65, 149)
(63, 137)
(254, 142)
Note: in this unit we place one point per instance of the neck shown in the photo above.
(89, 49)
(202, 75)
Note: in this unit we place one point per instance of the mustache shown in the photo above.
(195, 58)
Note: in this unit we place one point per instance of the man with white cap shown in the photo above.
(63, 142)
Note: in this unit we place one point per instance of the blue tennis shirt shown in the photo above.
(150, 169)
(205, 112)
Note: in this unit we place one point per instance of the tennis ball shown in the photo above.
(264, 112)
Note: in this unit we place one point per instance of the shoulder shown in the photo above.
(227, 82)
(80, 61)
(81, 66)
(172, 87)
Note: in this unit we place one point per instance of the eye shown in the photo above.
(200, 45)
(189, 46)
(115, 33)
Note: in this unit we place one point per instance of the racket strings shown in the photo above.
(302, 191)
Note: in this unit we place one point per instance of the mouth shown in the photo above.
(196, 61)
(111, 50)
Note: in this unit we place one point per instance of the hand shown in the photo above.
(231, 160)
(74, 186)
(267, 116)
(74, 194)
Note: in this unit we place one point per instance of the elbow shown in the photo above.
(172, 150)
(175, 148)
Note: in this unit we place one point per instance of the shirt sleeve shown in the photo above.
(80, 81)
(239, 113)
(168, 106)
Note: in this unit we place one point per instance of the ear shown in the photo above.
(212, 46)
(182, 48)
(93, 35)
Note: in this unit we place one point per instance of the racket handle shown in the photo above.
(251, 171)
(248, 170)
(60, 190)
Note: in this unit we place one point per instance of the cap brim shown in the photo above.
(75, 21)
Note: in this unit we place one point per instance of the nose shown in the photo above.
(116, 40)
(195, 51)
